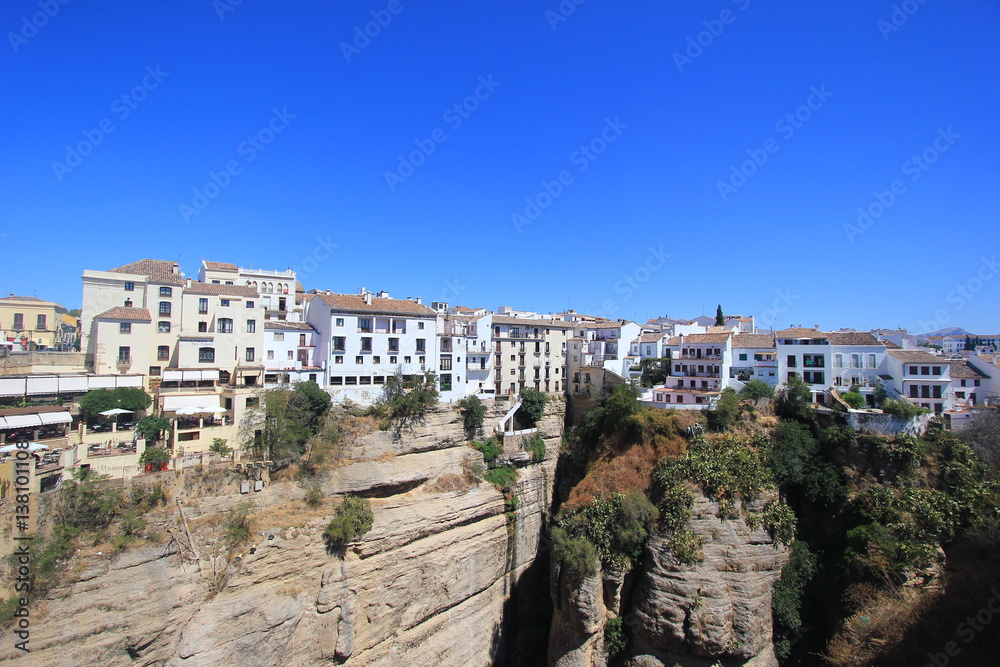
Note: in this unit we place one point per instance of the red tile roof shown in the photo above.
(222, 290)
(20, 298)
(536, 322)
(701, 338)
(916, 356)
(960, 368)
(751, 341)
(127, 314)
(219, 266)
(852, 338)
(796, 332)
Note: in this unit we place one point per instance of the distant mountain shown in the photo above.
(950, 331)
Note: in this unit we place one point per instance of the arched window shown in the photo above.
(224, 325)
(206, 355)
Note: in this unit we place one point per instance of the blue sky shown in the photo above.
(629, 159)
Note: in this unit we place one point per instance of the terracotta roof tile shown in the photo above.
(852, 338)
(796, 332)
(701, 338)
(160, 271)
(651, 338)
(219, 266)
(128, 314)
(749, 341)
(960, 368)
(282, 325)
(354, 303)
(535, 322)
(20, 298)
(916, 356)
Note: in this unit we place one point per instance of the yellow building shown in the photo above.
(28, 322)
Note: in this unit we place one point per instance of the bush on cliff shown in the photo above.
(352, 519)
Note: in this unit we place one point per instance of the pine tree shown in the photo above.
(720, 321)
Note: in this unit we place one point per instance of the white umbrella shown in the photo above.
(32, 447)
(184, 412)
(115, 411)
(215, 410)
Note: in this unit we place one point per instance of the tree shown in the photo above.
(97, 401)
(220, 447)
(131, 398)
(792, 447)
(655, 371)
(532, 406)
(720, 321)
(794, 401)
(352, 519)
(983, 436)
(152, 427)
(756, 390)
(726, 411)
(473, 414)
(155, 456)
(309, 403)
(854, 399)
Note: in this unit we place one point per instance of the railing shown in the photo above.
(691, 357)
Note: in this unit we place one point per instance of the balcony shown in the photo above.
(519, 335)
(695, 357)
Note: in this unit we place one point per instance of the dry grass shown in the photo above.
(449, 483)
(880, 624)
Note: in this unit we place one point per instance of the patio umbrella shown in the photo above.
(115, 411)
(215, 410)
(187, 412)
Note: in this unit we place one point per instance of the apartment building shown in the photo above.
(754, 356)
(530, 351)
(921, 378)
(465, 352)
(699, 371)
(969, 385)
(290, 353)
(858, 361)
(277, 289)
(607, 344)
(364, 338)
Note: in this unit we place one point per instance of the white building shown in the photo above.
(364, 338)
(921, 378)
(754, 357)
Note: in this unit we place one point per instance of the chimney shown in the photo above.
(363, 291)
(419, 300)
(368, 298)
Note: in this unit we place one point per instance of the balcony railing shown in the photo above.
(692, 357)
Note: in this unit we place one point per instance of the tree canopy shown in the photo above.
(532, 406)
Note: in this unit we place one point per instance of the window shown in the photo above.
(202, 306)
(421, 345)
(791, 361)
(202, 327)
(959, 394)
(743, 356)
(125, 327)
(224, 325)
(229, 282)
(18, 320)
(855, 361)
(925, 370)
(359, 359)
(963, 383)
(339, 359)
(937, 370)
(365, 325)
(871, 361)
(154, 371)
(337, 379)
(163, 353)
(163, 327)
(124, 355)
(339, 342)
(392, 360)
(40, 322)
(366, 344)
(350, 380)
(250, 354)
(166, 291)
(340, 321)
(279, 335)
(216, 282)
(838, 361)
(445, 364)
(164, 309)
(976, 383)
(223, 302)
(393, 345)
(206, 355)
(291, 355)
(250, 304)
(129, 287)
(376, 360)
(270, 354)
(128, 303)
(406, 360)
(251, 326)
(424, 360)
(420, 325)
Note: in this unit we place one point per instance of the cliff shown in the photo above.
(694, 616)
(428, 585)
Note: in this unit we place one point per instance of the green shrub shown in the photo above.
(614, 637)
(618, 526)
(576, 554)
(152, 428)
(779, 521)
(854, 399)
(726, 411)
(490, 449)
(537, 448)
(902, 408)
(504, 477)
(756, 390)
(786, 600)
(686, 546)
(352, 519)
(220, 447)
(155, 456)
(473, 414)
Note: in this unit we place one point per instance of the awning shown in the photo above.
(171, 403)
(21, 421)
(190, 375)
(56, 418)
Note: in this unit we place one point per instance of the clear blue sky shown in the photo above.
(774, 245)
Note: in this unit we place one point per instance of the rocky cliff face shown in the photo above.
(426, 586)
(719, 609)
